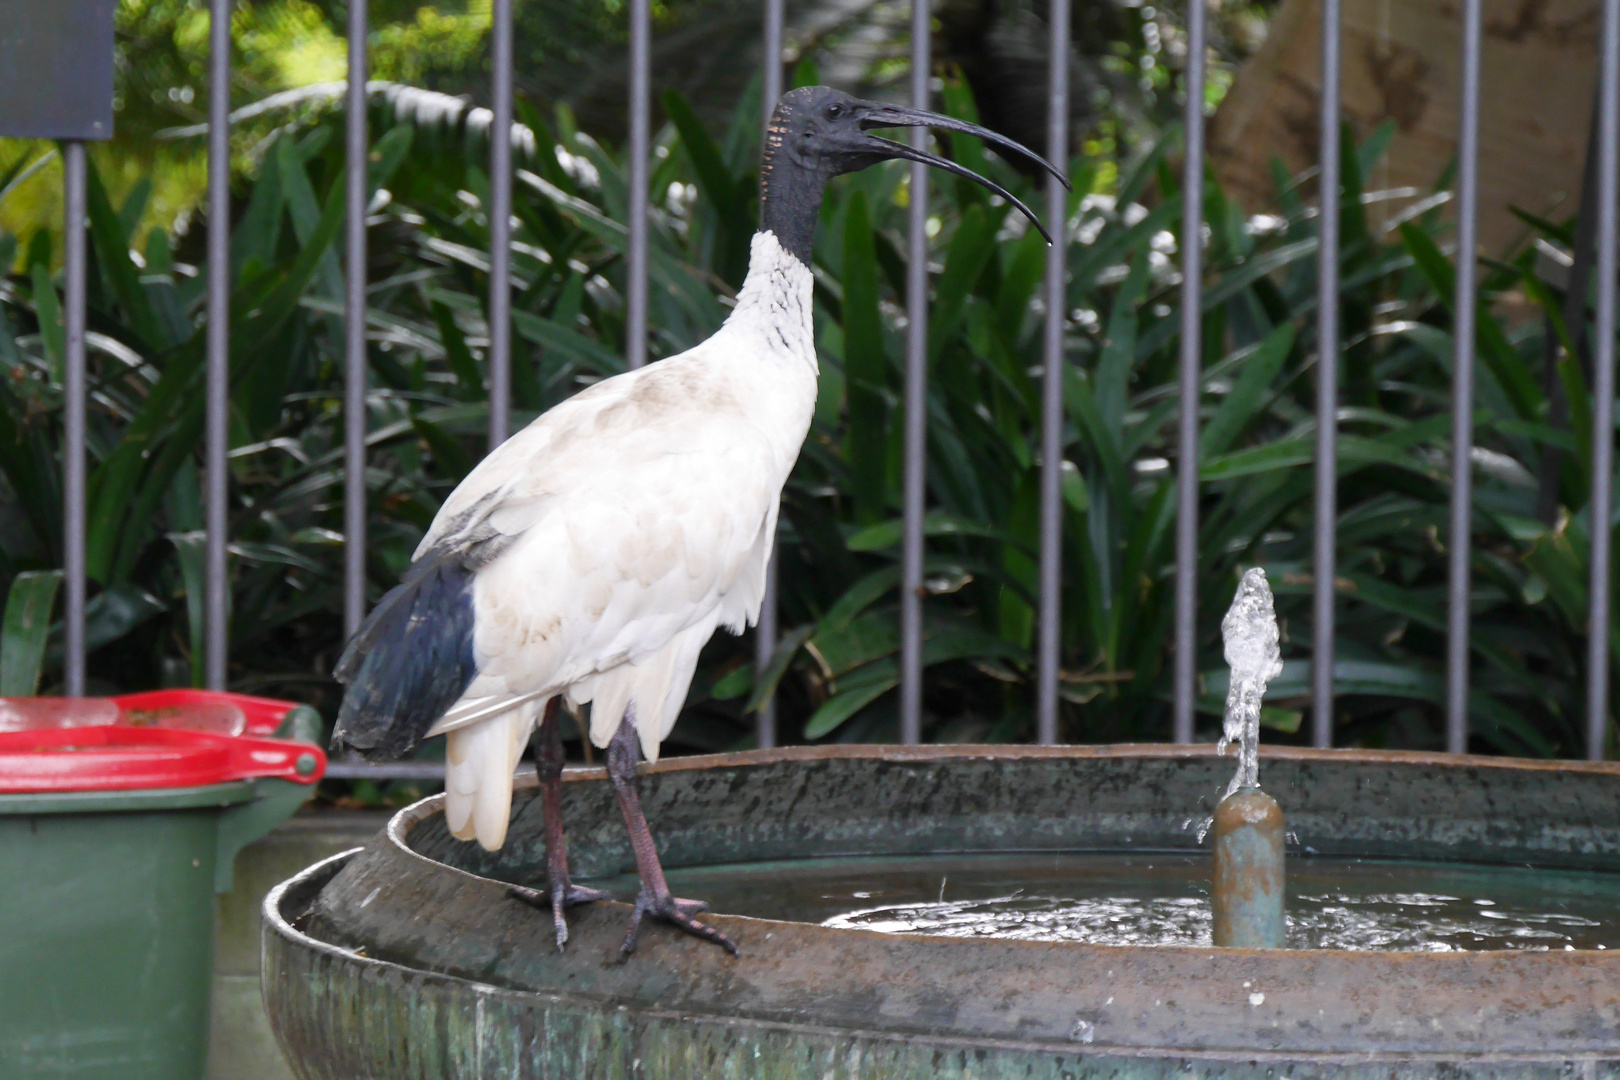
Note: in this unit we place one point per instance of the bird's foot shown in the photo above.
(563, 896)
(678, 913)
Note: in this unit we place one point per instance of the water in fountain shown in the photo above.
(1163, 898)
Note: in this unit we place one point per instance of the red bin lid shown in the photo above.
(263, 714)
(123, 758)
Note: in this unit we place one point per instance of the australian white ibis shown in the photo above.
(593, 553)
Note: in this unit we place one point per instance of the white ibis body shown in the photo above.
(594, 553)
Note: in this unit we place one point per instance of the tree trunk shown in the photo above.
(1402, 61)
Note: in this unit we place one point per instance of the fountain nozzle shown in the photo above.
(1248, 884)
(1249, 828)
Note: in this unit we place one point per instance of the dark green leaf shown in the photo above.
(25, 630)
(866, 366)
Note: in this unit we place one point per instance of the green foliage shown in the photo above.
(23, 631)
(835, 670)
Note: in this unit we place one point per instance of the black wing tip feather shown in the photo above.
(375, 623)
(341, 745)
(409, 662)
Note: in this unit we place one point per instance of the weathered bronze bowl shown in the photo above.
(406, 959)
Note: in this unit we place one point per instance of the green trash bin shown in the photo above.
(113, 842)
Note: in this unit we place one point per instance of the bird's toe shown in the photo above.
(532, 897)
(678, 913)
(633, 934)
(574, 895)
(558, 899)
(562, 896)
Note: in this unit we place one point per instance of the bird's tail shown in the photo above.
(411, 660)
(479, 761)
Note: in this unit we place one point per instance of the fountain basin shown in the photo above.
(406, 958)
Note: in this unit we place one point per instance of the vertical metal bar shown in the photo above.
(1597, 656)
(1462, 387)
(1192, 331)
(914, 469)
(73, 412)
(1326, 525)
(771, 81)
(765, 633)
(1053, 360)
(500, 225)
(216, 612)
(635, 301)
(354, 386)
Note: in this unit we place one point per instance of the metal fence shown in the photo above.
(1606, 149)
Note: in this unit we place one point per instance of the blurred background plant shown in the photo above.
(836, 668)
(1124, 64)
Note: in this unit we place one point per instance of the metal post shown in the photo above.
(216, 609)
(354, 385)
(1250, 870)
(1597, 655)
(635, 319)
(765, 635)
(1053, 360)
(73, 410)
(766, 632)
(916, 396)
(500, 225)
(1192, 231)
(1327, 386)
(771, 81)
(1462, 388)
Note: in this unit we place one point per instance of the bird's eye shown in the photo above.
(834, 111)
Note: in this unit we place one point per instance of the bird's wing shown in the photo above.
(653, 534)
(412, 658)
(507, 490)
(617, 520)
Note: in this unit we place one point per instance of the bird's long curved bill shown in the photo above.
(899, 116)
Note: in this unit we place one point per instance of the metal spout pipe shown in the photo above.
(1248, 881)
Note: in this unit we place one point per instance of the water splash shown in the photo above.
(1254, 655)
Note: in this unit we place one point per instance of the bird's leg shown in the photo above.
(653, 898)
(562, 893)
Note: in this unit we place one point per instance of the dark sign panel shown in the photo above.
(56, 68)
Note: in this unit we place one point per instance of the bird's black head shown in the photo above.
(817, 133)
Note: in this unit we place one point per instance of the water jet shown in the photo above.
(1248, 826)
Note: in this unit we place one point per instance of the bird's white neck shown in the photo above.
(774, 306)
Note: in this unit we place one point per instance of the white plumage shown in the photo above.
(639, 515)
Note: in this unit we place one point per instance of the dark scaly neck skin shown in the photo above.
(790, 191)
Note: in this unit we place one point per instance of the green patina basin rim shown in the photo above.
(406, 958)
